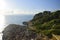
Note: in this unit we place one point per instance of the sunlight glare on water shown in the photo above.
(2, 22)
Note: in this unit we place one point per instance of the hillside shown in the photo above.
(46, 23)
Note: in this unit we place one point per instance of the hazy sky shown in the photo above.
(27, 6)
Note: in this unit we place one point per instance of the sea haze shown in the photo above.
(17, 19)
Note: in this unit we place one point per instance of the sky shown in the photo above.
(9, 7)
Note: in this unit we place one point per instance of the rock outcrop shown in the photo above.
(17, 32)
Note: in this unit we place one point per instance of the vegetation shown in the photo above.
(47, 23)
